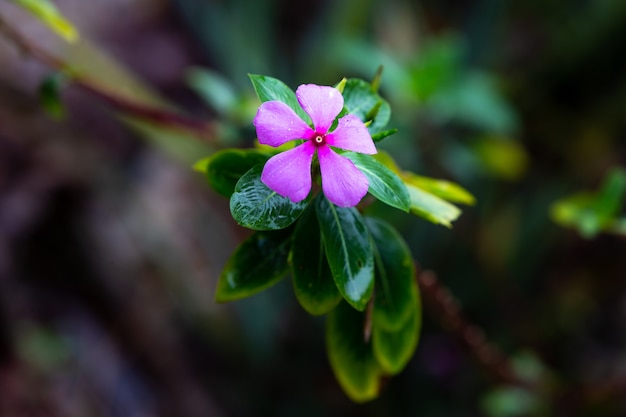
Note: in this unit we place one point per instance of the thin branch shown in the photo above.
(442, 304)
(152, 114)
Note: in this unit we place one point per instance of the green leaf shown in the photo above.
(214, 89)
(268, 89)
(441, 188)
(255, 206)
(312, 279)
(383, 183)
(592, 213)
(224, 168)
(361, 100)
(396, 290)
(349, 251)
(377, 137)
(350, 357)
(50, 96)
(258, 263)
(47, 12)
(431, 207)
(394, 349)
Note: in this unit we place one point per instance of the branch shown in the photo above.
(442, 304)
(154, 115)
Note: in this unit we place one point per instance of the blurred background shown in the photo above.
(111, 245)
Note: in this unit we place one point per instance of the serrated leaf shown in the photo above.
(431, 207)
(269, 89)
(394, 349)
(258, 263)
(224, 168)
(255, 206)
(361, 100)
(447, 190)
(312, 279)
(348, 250)
(395, 277)
(47, 13)
(351, 358)
(383, 183)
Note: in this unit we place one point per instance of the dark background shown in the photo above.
(110, 245)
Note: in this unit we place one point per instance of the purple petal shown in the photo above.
(289, 172)
(276, 123)
(352, 135)
(342, 182)
(323, 104)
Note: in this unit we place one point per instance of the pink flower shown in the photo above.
(289, 173)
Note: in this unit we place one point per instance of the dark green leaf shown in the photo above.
(383, 183)
(361, 100)
(350, 357)
(269, 89)
(50, 95)
(394, 349)
(224, 168)
(377, 137)
(431, 207)
(395, 277)
(258, 263)
(312, 280)
(349, 251)
(255, 206)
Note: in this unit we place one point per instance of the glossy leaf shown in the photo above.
(395, 277)
(47, 12)
(383, 183)
(361, 100)
(431, 207)
(351, 358)
(441, 188)
(312, 279)
(224, 168)
(268, 89)
(255, 206)
(348, 249)
(258, 263)
(394, 349)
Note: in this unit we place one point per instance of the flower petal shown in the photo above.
(289, 172)
(352, 135)
(322, 103)
(342, 182)
(276, 123)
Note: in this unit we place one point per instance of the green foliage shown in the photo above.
(592, 213)
(255, 206)
(312, 279)
(49, 95)
(258, 263)
(268, 89)
(383, 183)
(362, 100)
(348, 250)
(225, 168)
(47, 12)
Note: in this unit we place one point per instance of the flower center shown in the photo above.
(318, 139)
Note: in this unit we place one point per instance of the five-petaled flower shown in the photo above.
(289, 173)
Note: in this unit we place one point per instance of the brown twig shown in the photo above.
(154, 115)
(447, 310)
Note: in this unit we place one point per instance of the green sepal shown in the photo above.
(313, 281)
(224, 168)
(258, 263)
(270, 89)
(348, 250)
(395, 297)
(351, 357)
(394, 349)
(383, 183)
(363, 101)
(255, 206)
